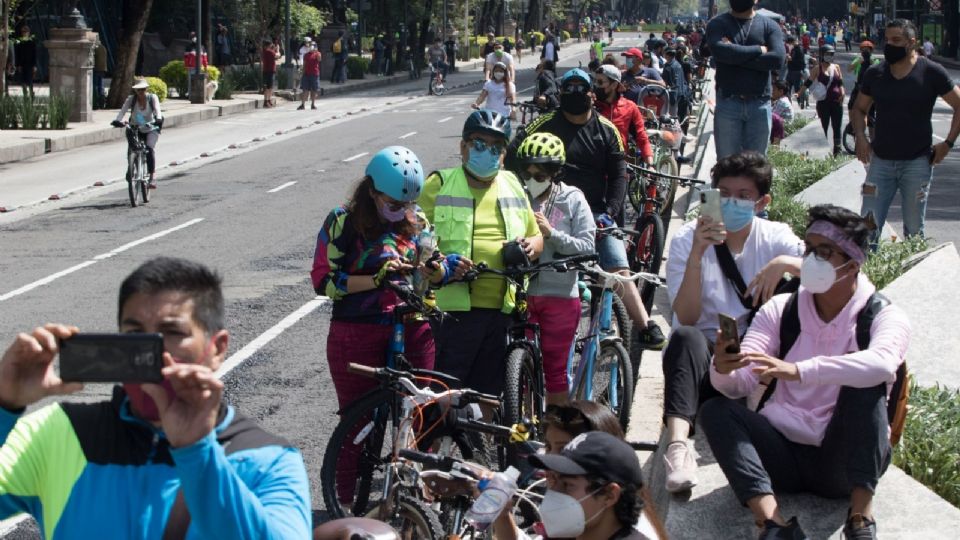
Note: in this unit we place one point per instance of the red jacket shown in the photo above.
(627, 117)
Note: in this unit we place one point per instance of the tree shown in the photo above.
(133, 21)
(5, 45)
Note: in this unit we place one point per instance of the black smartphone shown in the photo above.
(125, 358)
(728, 326)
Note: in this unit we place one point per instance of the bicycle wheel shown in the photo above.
(612, 381)
(144, 189)
(520, 399)
(621, 323)
(849, 139)
(413, 519)
(668, 165)
(436, 87)
(649, 253)
(354, 463)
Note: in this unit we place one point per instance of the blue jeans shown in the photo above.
(741, 124)
(911, 177)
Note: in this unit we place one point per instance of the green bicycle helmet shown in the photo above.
(542, 148)
(489, 122)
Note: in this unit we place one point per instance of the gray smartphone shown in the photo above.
(728, 327)
(710, 204)
(124, 358)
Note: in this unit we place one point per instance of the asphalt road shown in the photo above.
(241, 216)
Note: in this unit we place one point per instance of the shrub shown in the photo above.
(538, 36)
(887, 262)
(158, 87)
(226, 87)
(174, 74)
(357, 66)
(29, 111)
(283, 79)
(931, 440)
(246, 77)
(61, 107)
(213, 73)
(795, 125)
(564, 35)
(8, 112)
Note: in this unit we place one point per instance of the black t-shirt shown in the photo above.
(595, 158)
(905, 107)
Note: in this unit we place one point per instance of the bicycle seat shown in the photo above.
(447, 484)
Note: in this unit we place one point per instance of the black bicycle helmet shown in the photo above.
(487, 121)
(827, 49)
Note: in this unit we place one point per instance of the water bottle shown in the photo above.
(427, 245)
(495, 493)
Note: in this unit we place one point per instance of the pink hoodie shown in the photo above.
(824, 354)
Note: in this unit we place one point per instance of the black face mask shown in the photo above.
(866, 55)
(575, 103)
(741, 5)
(893, 54)
(601, 93)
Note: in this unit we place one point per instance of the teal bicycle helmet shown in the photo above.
(396, 172)
(487, 121)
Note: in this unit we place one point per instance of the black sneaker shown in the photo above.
(651, 337)
(859, 527)
(683, 160)
(773, 531)
(301, 107)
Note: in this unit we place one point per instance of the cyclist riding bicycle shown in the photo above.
(565, 220)
(373, 238)
(437, 55)
(146, 116)
(622, 112)
(477, 208)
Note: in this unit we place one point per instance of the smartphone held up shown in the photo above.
(729, 331)
(112, 358)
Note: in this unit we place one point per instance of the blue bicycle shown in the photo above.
(599, 367)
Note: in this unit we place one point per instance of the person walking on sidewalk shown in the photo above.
(904, 89)
(758, 252)
(826, 87)
(146, 116)
(25, 56)
(339, 50)
(824, 428)
(310, 82)
(268, 67)
(746, 47)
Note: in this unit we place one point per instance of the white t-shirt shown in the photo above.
(548, 50)
(927, 48)
(767, 239)
(492, 60)
(497, 96)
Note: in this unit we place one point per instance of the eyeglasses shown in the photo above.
(481, 145)
(564, 416)
(822, 252)
(395, 205)
(575, 88)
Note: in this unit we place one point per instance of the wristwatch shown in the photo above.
(949, 142)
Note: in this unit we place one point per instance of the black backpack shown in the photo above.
(790, 331)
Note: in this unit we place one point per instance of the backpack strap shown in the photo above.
(789, 332)
(875, 304)
(730, 271)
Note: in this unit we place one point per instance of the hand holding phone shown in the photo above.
(26, 370)
(124, 358)
(730, 333)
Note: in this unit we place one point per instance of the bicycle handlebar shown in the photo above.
(560, 265)
(387, 374)
(681, 180)
(412, 299)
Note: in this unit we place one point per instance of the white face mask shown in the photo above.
(537, 189)
(562, 514)
(818, 276)
(498, 75)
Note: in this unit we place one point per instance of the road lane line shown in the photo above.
(283, 186)
(53, 277)
(360, 155)
(442, 120)
(405, 135)
(260, 341)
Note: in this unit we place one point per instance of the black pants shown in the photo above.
(337, 75)
(686, 374)
(831, 113)
(757, 459)
(471, 346)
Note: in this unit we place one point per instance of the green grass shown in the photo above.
(795, 125)
(793, 173)
(886, 264)
(930, 448)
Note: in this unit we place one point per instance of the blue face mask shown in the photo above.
(482, 162)
(737, 213)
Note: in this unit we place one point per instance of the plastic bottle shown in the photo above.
(427, 245)
(495, 493)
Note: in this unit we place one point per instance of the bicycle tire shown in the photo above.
(649, 253)
(667, 164)
(334, 474)
(520, 398)
(621, 321)
(414, 518)
(436, 87)
(849, 139)
(612, 352)
(144, 188)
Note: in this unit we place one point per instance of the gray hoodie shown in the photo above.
(574, 231)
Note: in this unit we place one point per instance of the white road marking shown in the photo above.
(260, 341)
(442, 120)
(282, 186)
(405, 135)
(53, 277)
(360, 155)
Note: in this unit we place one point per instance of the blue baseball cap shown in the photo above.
(576, 73)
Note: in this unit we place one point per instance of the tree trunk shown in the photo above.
(424, 28)
(135, 15)
(4, 44)
(533, 16)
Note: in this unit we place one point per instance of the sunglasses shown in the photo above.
(395, 205)
(482, 146)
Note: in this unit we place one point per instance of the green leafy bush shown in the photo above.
(174, 74)
(8, 112)
(158, 87)
(793, 173)
(887, 262)
(245, 77)
(535, 35)
(564, 35)
(357, 66)
(227, 86)
(795, 125)
(60, 108)
(931, 440)
(29, 110)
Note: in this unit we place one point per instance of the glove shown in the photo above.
(450, 264)
(159, 123)
(381, 275)
(604, 221)
(116, 123)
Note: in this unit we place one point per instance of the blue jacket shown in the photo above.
(92, 470)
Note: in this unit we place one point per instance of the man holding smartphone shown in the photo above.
(168, 457)
(762, 252)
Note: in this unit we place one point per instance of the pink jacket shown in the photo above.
(827, 357)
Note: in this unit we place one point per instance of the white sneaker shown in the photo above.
(681, 460)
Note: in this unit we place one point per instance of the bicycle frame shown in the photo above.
(600, 330)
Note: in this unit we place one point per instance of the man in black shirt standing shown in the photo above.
(904, 89)
(746, 47)
(595, 164)
(26, 58)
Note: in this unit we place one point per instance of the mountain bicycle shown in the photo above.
(137, 175)
(524, 393)
(599, 367)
